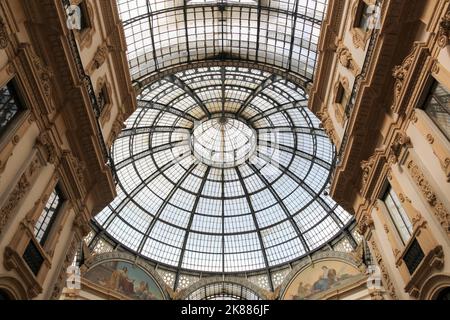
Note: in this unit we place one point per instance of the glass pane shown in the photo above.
(44, 223)
(438, 108)
(9, 105)
(399, 216)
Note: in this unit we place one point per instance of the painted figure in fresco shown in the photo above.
(143, 292)
(119, 281)
(303, 290)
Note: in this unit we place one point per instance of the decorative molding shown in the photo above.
(327, 124)
(433, 260)
(359, 36)
(21, 188)
(100, 57)
(365, 223)
(18, 130)
(45, 77)
(406, 76)
(401, 141)
(440, 211)
(346, 59)
(366, 166)
(13, 260)
(117, 127)
(389, 285)
(45, 144)
(4, 37)
(14, 287)
(444, 31)
(434, 138)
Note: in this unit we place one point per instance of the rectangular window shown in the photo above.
(398, 215)
(341, 96)
(438, 107)
(103, 98)
(33, 257)
(48, 216)
(10, 105)
(84, 19)
(413, 256)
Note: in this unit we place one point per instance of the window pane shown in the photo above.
(398, 216)
(9, 105)
(438, 108)
(48, 215)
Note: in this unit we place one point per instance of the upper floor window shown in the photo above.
(48, 216)
(85, 22)
(10, 105)
(398, 215)
(103, 98)
(438, 107)
(341, 96)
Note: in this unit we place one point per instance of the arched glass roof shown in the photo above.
(165, 33)
(183, 212)
(223, 291)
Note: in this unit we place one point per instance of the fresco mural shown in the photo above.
(126, 279)
(320, 277)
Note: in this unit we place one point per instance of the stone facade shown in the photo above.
(59, 137)
(385, 138)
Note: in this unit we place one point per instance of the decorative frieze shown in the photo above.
(47, 147)
(424, 186)
(117, 127)
(346, 59)
(365, 223)
(366, 166)
(99, 58)
(400, 74)
(328, 126)
(444, 31)
(4, 38)
(45, 76)
(400, 142)
(21, 189)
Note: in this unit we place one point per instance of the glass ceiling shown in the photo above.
(223, 142)
(260, 213)
(165, 33)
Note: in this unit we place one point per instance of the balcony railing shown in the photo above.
(89, 87)
(356, 86)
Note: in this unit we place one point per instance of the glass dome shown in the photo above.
(262, 207)
(223, 142)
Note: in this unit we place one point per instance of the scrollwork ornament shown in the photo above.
(4, 38)
(444, 31)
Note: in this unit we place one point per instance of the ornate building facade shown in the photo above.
(382, 93)
(109, 112)
(65, 93)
